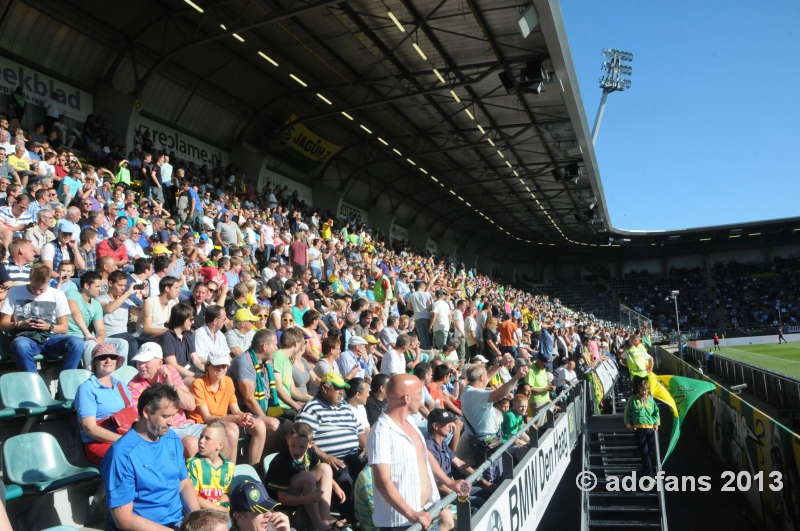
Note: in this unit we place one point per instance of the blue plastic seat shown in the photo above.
(267, 460)
(13, 492)
(125, 374)
(36, 461)
(68, 382)
(27, 393)
(242, 473)
(61, 528)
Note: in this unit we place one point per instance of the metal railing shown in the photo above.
(774, 388)
(662, 504)
(464, 520)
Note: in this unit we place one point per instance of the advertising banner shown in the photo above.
(746, 440)
(38, 87)
(523, 500)
(303, 191)
(352, 214)
(307, 143)
(398, 233)
(185, 147)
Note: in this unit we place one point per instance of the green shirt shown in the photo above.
(123, 175)
(512, 423)
(364, 501)
(537, 378)
(283, 365)
(641, 412)
(91, 312)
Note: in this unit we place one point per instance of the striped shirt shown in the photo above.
(336, 429)
(388, 444)
(18, 274)
(211, 483)
(363, 500)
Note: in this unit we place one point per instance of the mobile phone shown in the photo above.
(138, 286)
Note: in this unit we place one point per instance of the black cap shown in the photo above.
(251, 496)
(441, 417)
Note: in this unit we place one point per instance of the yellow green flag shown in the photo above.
(684, 392)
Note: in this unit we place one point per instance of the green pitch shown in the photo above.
(783, 358)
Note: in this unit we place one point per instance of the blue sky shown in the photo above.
(706, 133)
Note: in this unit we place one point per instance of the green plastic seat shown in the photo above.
(7, 412)
(36, 460)
(13, 492)
(242, 473)
(267, 460)
(68, 382)
(60, 528)
(125, 374)
(27, 393)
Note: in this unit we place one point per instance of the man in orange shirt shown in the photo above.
(508, 335)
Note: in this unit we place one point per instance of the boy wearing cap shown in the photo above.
(251, 509)
(297, 476)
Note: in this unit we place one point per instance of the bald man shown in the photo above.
(396, 449)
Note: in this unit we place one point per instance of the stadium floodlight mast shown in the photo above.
(612, 81)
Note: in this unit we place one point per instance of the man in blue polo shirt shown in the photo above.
(144, 472)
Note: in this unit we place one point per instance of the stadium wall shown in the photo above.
(744, 439)
(740, 341)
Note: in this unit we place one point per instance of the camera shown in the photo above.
(138, 286)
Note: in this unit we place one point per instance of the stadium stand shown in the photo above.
(193, 234)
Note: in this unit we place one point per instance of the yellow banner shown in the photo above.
(310, 145)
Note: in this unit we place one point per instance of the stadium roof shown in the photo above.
(410, 89)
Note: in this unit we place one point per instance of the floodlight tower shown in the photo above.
(612, 81)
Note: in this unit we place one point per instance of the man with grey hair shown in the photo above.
(477, 405)
(70, 220)
(382, 291)
(114, 247)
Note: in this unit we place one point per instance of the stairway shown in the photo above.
(612, 452)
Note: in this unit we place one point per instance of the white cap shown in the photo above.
(481, 359)
(218, 358)
(302, 226)
(356, 340)
(149, 351)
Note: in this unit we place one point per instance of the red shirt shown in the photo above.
(298, 253)
(105, 249)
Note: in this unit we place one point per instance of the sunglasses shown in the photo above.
(105, 357)
(287, 320)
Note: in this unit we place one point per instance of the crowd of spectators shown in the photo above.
(250, 315)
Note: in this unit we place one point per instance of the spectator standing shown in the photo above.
(440, 320)
(36, 317)
(404, 478)
(145, 479)
(421, 304)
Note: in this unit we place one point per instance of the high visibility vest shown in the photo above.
(638, 359)
(380, 294)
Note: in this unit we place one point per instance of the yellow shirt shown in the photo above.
(19, 163)
(211, 483)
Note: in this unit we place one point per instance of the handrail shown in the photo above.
(662, 505)
(585, 467)
(478, 473)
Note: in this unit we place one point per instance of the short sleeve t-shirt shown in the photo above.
(93, 399)
(284, 466)
(436, 395)
(442, 311)
(507, 331)
(538, 378)
(146, 474)
(478, 410)
(242, 370)
(50, 306)
(138, 385)
(211, 483)
(116, 322)
(216, 402)
(512, 423)
(91, 312)
(282, 365)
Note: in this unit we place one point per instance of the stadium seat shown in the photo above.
(60, 528)
(27, 393)
(125, 374)
(267, 460)
(68, 382)
(36, 461)
(241, 473)
(13, 492)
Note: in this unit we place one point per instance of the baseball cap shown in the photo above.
(251, 496)
(160, 249)
(302, 226)
(149, 351)
(244, 315)
(204, 237)
(480, 359)
(440, 292)
(356, 340)
(272, 259)
(142, 221)
(335, 378)
(371, 339)
(218, 358)
(440, 416)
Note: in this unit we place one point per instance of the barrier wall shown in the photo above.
(741, 341)
(744, 439)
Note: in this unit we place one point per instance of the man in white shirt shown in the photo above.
(270, 271)
(161, 266)
(388, 335)
(564, 375)
(440, 320)
(403, 486)
(210, 338)
(421, 303)
(394, 361)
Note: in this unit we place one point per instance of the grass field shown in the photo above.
(783, 358)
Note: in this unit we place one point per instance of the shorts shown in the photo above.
(157, 194)
(195, 430)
